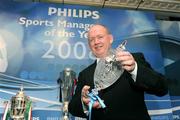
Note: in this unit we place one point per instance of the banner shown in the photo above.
(170, 45)
(39, 40)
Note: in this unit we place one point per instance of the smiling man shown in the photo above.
(124, 99)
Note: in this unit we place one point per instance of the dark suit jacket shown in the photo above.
(125, 98)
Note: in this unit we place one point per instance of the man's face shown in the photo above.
(99, 41)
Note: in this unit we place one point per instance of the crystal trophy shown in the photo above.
(67, 78)
(108, 70)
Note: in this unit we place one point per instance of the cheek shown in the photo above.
(90, 45)
(108, 45)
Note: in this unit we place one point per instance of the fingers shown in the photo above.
(96, 105)
(85, 91)
(85, 98)
(126, 60)
(84, 94)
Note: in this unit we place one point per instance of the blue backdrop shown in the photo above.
(39, 40)
(169, 33)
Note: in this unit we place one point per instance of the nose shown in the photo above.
(96, 40)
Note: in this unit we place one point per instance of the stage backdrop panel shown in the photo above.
(39, 40)
(169, 33)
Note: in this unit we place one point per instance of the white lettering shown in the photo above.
(83, 34)
(27, 22)
(52, 10)
(76, 13)
(66, 24)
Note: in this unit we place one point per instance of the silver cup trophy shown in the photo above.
(67, 79)
(19, 104)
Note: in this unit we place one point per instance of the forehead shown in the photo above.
(97, 29)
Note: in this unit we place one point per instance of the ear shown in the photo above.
(111, 38)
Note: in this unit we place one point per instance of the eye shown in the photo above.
(91, 39)
(100, 37)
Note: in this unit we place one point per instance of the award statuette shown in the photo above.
(67, 81)
(108, 70)
(20, 108)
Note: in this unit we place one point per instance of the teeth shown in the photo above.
(98, 47)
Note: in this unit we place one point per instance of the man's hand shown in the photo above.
(85, 98)
(126, 60)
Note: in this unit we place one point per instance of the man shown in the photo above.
(124, 99)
